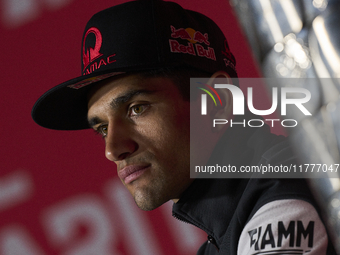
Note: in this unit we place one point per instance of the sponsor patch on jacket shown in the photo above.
(287, 226)
(276, 235)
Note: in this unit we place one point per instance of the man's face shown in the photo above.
(145, 125)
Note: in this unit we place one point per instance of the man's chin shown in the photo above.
(148, 201)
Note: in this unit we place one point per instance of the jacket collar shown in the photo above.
(199, 203)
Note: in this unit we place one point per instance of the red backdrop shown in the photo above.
(58, 193)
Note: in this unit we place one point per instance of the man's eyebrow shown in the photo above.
(119, 101)
(93, 121)
(122, 99)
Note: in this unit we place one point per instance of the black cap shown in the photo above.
(134, 36)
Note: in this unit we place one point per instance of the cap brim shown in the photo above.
(64, 107)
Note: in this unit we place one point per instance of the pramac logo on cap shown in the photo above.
(90, 54)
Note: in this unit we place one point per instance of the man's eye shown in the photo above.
(102, 130)
(137, 110)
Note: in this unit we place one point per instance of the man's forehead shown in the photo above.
(121, 89)
(125, 83)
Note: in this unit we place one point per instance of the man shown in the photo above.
(137, 59)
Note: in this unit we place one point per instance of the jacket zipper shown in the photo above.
(211, 239)
(213, 242)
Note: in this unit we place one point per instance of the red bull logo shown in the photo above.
(190, 34)
(194, 38)
(180, 33)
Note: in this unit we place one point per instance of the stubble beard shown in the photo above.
(151, 197)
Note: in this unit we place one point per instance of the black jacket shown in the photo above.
(222, 207)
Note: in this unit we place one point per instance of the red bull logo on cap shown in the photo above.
(194, 38)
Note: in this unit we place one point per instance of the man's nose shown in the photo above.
(119, 143)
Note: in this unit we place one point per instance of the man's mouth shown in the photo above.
(130, 173)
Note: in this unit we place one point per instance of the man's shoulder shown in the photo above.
(270, 148)
(289, 225)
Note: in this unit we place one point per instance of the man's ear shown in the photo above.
(224, 111)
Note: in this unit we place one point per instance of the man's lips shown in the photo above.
(130, 173)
